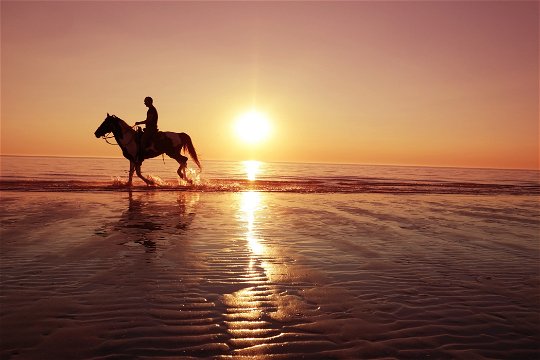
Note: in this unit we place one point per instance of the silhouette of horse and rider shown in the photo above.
(137, 145)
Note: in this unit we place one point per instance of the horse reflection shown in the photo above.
(153, 221)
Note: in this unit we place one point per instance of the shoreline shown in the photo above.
(305, 186)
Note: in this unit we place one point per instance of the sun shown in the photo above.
(252, 127)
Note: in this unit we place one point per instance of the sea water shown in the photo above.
(90, 173)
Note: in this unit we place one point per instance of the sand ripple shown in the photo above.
(268, 276)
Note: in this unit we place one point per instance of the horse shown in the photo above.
(166, 142)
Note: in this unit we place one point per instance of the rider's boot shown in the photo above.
(139, 157)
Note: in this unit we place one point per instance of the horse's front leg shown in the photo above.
(139, 174)
(131, 171)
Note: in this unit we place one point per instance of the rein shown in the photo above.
(107, 137)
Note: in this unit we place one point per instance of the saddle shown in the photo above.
(138, 139)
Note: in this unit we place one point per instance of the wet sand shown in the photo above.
(255, 275)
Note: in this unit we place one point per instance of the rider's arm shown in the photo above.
(144, 121)
(149, 116)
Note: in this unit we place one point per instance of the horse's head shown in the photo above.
(107, 126)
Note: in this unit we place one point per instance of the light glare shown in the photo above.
(252, 127)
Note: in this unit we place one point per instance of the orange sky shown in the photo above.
(418, 83)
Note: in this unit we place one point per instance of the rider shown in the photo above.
(151, 128)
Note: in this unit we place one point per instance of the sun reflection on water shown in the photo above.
(252, 168)
(250, 204)
(249, 308)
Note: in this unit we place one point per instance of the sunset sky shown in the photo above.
(410, 83)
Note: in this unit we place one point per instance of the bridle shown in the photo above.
(106, 137)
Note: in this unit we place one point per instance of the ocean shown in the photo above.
(261, 260)
(86, 173)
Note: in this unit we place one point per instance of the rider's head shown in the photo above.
(148, 101)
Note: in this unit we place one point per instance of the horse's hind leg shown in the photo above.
(182, 161)
(182, 173)
(182, 168)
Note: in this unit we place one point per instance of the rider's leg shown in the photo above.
(146, 140)
(142, 146)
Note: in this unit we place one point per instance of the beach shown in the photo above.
(268, 275)
(269, 180)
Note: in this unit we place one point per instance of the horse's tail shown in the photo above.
(189, 148)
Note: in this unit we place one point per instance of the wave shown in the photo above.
(312, 185)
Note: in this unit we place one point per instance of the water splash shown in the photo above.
(118, 182)
(193, 178)
(157, 181)
(194, 175)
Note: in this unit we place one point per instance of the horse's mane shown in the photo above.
(122, 122)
